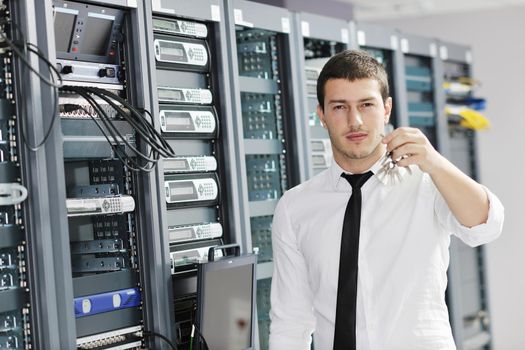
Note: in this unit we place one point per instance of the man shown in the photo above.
(389, 290)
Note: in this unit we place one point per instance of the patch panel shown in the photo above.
(259, 116)
(86, 111)
(124, 338)
(264, 175)
(256, 51)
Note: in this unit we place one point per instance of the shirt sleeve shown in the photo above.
(476, 235)
(291, 314)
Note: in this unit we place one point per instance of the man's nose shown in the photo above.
(354, 117)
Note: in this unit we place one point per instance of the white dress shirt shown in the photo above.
(403, 261)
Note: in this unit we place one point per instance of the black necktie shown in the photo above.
(345, 320)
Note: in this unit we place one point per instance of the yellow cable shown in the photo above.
(470, 118)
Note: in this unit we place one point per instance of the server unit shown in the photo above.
(319, 38)
(268, 131)
(467, 292)
(191, 104)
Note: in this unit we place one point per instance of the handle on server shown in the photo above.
(236, 249)
(481, 316)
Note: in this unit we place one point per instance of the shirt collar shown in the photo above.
(336, 171)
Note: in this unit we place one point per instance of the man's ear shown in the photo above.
(388, 109)
(320, 114)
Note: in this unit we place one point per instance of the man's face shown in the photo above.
(355, 116)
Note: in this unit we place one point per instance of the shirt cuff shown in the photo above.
(479, 234)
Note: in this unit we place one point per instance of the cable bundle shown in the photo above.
(144, 128)
(138, 160)
(20, 49)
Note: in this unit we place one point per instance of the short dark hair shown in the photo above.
(352, 65)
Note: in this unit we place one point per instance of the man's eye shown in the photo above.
(367, 105)
(339, 107)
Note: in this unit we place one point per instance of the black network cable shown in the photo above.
(54, 109)
(118, 138)
(25, 44)
(138, 119)
(22, 55)
(194, 327)
(159, 146)
(131, 121)
(163, 337)
(138, 123)
(117, 150)
(108, 123)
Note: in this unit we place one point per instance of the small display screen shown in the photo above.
(171, 94)
(181, 233)
(97, 34)
(178, 119)
(181, 191)
(64, 25)
(165, 25)
(176, 164)
(172, 51)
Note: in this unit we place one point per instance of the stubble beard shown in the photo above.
(353, 155)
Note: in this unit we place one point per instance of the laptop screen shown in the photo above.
(226, 297)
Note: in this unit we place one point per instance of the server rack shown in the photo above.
(16, 285)
(189, 94)
(97, 46)
(423, 88)
(467, 292)
(48, 263)
(268, 128)
(383, 44)
(318, 38)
